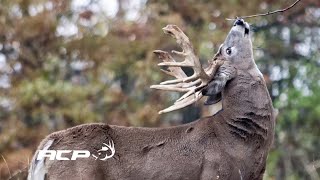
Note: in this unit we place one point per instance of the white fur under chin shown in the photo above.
(214, 109)
(37, 170)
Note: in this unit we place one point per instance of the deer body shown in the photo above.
(232, 144)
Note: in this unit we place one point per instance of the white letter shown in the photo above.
(80, 154)
(46, 153)
(59, 153)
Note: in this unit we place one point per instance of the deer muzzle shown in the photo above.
(241, 25)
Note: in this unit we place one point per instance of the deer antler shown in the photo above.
(190, 85)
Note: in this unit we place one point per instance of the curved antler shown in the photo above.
(190, 85)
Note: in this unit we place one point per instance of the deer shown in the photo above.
(231, 144)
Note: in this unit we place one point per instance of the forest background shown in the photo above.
(69, 62)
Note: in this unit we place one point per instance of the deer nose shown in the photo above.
(239, 22)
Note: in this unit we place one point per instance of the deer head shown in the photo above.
(237, 47)
(238, 55)
(236, 51)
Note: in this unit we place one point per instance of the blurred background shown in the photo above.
(69, 62)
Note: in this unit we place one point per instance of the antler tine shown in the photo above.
(177, 88)
(191, 60)
(173, 71)
(214, 66)
(191, 85)
(184, 103)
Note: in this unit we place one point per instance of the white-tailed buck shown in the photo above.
(232, 144)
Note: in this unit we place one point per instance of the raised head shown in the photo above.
(236, 49)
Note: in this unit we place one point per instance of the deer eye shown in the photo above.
(228, 50)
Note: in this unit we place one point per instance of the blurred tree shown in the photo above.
(64, 63)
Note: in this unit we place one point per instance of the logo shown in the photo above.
(107, 151)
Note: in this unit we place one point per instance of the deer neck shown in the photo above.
(247, 106)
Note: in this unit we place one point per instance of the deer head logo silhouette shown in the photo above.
(105, 149)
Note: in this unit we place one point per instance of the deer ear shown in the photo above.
(218, 53)
(213, 99)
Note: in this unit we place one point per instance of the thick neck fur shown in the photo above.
(247, 106)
